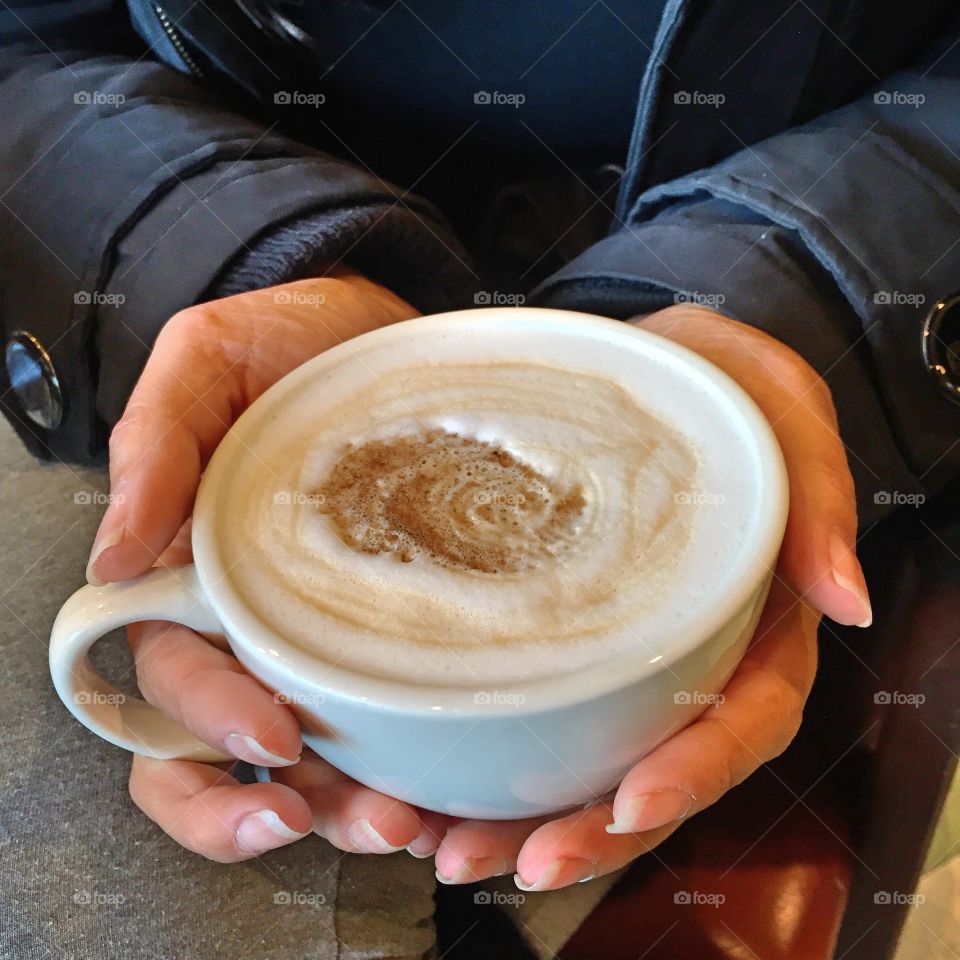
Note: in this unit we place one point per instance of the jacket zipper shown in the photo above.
(177, 41)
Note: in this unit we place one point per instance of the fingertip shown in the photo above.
(649, 810)
(453, 871)
(231, 709)
(247, 748)
(367, 837)
(832, 581)
(265, 830)
(432, 831)
(853, 606)
(822, 568)
(557, 874)
(353, 817)
(207, 811)
(102, 543)
(384, 825)
(272, 815)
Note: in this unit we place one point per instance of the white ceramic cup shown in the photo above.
(543, 746)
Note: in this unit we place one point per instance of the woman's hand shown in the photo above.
(762, 707)
(209, 364)
(212, 361)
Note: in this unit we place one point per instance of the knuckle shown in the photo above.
(781, 706)
(782, 703)
(821, 394)
(166, 676)
(142, 781)
(186, 321)
(733, 769)
(833, 476)
(125, 430)
(795, 374)
(193, 836)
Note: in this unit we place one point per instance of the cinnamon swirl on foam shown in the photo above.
(442, 516)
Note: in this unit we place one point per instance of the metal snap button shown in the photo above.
(941, 345)
(34, 380)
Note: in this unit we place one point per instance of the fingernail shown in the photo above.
(651, 810)
(251, 750)
(104, 543)
(362, 834)
(263, 831)
(476, 868)
(560, 873)
(421, 854)
(848, 576)
(424, 845)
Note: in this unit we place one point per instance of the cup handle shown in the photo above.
(166, 593)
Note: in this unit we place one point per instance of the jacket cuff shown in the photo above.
(387, 244)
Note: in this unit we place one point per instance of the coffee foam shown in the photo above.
(462, 503)
(359, 532)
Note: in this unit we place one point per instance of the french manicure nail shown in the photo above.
(559, 873)
(363, 834)
(463, 874)
(263, 831)
(420, 854)
(476, 868)
(104, 543)
(424, 845)
(251, 750)
(848, 576)
(651, 810)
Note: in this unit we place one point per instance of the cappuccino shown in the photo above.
(489, 559)
(470, 509)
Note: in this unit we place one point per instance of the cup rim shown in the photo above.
(249, 635)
